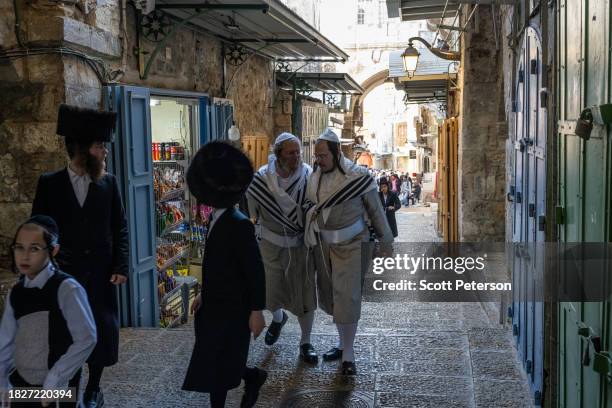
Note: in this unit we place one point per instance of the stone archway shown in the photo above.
(355, 115)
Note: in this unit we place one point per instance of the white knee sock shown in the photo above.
(277, 316)
(306, 322)
(340, 336)
(348, 333)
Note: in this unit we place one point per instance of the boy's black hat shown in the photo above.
(85, 126)
(219, 175)
(46, 222)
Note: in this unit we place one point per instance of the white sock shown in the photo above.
(277, 316)
(340, 337)
(349, 331)
(306, 322)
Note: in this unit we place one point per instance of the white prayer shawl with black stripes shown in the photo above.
(284, 206)
(356, 182)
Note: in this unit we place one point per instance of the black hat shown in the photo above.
(219, 175)
(45, 222)
(85, 125)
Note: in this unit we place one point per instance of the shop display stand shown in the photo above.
(173, 241)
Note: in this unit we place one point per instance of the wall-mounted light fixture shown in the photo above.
(410, 56)
(233, 133)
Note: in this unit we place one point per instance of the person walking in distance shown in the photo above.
(391, 204)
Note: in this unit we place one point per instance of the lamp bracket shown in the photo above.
(447, 55)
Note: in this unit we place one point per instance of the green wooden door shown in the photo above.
(583, 51)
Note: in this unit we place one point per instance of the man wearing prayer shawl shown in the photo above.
(275, 199)
(341, 196)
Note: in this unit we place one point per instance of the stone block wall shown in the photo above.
(482, 138)
(252, 90)
(32, 88)
(282, 113)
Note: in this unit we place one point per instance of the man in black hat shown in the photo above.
(87, 206)
(233, 294)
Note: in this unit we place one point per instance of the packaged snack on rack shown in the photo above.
(167, 180)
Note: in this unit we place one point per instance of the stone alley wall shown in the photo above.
(32, 87)
(483, 131)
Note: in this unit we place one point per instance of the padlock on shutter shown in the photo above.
(584, 125)
(601, 362)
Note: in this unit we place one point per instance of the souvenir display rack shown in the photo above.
(173, 234)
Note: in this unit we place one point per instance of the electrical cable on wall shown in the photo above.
(98, 65)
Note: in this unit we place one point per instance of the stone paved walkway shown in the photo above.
(413, 354)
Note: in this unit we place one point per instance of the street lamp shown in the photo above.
(410, 56)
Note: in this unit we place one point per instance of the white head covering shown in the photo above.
(283, 137)
(330, 136)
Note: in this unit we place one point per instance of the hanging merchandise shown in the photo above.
(173, 238)
(168, 182)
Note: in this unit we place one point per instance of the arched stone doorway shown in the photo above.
(355, 115)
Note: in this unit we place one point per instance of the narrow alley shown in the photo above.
(409, 354)
(461, 148)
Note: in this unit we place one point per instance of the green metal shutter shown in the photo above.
(583, 50)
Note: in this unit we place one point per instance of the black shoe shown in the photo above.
(275, 329)
(251, 389)
(308, 354)
(348, 368)
(333, 354)
(93, 399)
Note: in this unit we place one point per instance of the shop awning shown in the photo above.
(266, 26)
(429, 83)
(327, 82)
(410, 10)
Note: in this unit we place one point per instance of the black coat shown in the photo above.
(93, 246)
(392, 201)
(233, 285)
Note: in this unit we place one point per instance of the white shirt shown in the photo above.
(284, 183)
(80, 185)
(73, 303)
(329, 183)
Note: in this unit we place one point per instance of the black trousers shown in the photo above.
(18, 382)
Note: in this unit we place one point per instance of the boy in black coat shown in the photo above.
(233, 294)
(391, 203)
(86, 204)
